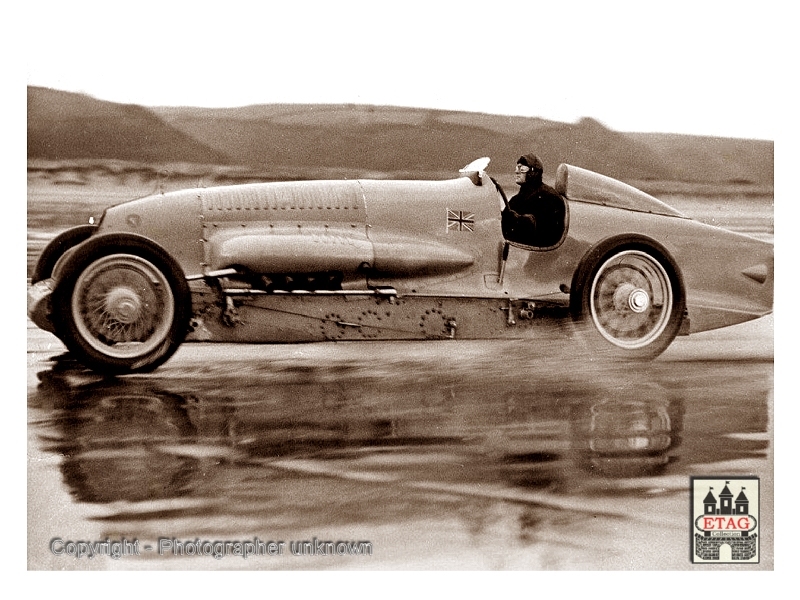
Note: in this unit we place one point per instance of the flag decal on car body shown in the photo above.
(460, 221)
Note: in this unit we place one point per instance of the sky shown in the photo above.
(700, 67)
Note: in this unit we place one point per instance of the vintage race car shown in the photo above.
(388, 260)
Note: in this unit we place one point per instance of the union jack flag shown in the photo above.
(460, 221)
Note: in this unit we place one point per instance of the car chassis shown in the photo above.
(289, 262)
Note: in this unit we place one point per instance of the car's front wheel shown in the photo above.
(631, 303)
(121, 306)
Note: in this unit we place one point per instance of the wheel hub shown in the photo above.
(123, 304)
(628, 296)
(638, 301)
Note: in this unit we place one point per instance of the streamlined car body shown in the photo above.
(386, 259)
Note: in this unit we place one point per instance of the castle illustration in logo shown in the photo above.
(726, 521)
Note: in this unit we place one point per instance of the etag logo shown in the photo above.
(725, 519)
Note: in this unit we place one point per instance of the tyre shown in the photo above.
(57, 246)
(122, 305)
(630, 303)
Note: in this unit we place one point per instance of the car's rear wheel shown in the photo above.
(631, 303)
(121, 308)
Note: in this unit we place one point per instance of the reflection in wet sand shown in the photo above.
(443, 467)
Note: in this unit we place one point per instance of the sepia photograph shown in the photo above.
(443, 286)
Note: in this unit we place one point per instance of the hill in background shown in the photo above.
(63, 125)
(360, 140)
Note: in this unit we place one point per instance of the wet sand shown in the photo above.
(451, 455)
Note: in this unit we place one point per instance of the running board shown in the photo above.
(212, 274)
(384, 292)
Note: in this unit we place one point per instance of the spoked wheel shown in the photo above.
(633, 302)
(124, 311)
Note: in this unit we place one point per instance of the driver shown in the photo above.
(535, 216)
